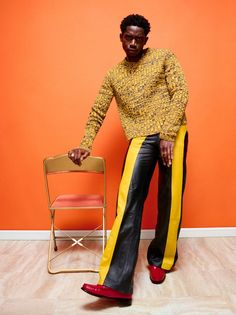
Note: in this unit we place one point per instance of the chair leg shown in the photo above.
(53, 229)
(50, 250)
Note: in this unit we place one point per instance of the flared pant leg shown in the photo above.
(120, 255)
(162, 251)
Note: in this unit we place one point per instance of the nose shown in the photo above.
(133, 43)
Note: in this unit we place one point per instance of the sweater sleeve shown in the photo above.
(177, 87)
(98, 113)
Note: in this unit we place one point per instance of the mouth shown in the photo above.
(130, 50)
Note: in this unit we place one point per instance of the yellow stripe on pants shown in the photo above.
(176, 199)
(133, 151)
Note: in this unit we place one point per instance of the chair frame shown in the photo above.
(62, 164)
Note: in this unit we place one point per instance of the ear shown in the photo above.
(146, 40)
(121, 36)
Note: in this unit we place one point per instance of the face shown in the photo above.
(133, 41)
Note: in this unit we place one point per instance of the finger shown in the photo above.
(164, 157)
(162, 150)
(83, 156)
(71, 155)
(77, 159)
(74, 155)
(169, 159)
(77, 155)
(172, 151)
(169, 162)
(163, 154)
(78, 162)
(166, 160)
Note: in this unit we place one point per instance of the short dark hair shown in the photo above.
(135, 20)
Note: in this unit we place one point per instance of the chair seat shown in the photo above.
(74, 201)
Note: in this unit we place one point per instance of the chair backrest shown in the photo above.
(61, 163)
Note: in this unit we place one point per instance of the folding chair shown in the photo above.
(61, 164)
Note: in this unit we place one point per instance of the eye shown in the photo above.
(140, 39)
(128, 38)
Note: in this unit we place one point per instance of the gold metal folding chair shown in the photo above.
(61, 164)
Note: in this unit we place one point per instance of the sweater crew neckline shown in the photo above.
(132, 63)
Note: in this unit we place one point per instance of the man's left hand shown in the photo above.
(167, 152)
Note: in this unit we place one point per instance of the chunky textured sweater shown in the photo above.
(151, 96)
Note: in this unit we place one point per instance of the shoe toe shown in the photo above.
(104, 291)
(90, 288)
(157, 274)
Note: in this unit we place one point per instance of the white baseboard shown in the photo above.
(197, 232)
(40, 235)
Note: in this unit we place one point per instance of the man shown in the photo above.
(151, 94)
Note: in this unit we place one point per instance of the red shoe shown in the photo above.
(106, 292)
(157, 274)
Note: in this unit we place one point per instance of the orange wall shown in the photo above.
(54, 55)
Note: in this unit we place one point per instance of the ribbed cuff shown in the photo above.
(167, 137)
(85, 145)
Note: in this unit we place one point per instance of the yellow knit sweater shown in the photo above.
(151, 96)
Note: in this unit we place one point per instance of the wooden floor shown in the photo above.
(204, 282)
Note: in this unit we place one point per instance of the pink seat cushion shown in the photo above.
(78, 201)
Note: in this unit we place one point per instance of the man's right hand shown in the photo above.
(77, 155)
